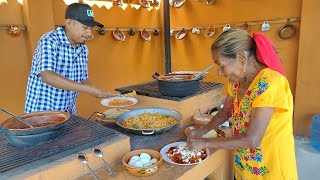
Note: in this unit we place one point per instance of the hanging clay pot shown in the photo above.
(118, 35)
(210, 31)
(155, 2)
(181, 34)
(145, 35)
(144, 3)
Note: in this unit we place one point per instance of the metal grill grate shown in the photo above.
(80, 134)
(151, 89)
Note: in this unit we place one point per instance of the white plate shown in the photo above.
(167, 159)
(106, 101)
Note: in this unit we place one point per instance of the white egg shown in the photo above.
(138, 164)
(147, 164)
(145, 160)
(145, 155)
(137, 158)
(154, 160)
(132, 162)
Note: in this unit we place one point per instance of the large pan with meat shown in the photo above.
(47, 126)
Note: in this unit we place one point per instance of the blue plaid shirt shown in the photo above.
(55, 53)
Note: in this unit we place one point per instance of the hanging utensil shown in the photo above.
(102, 31)
(145, 35)
(145, 3)
(287, 31)
(204, 71)
(132, 32)
(181, 34)
(83, 159)
(210, 2)
(98, 152)
(14, 31)
(118, 35)
(178, 3)
(17, 118)
(245, 26)
(210, 31)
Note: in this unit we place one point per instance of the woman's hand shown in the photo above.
(196, 143)
(198, 133)
(195, 140)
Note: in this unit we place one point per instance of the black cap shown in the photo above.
(82, 13)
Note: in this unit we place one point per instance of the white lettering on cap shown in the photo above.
(90, 13)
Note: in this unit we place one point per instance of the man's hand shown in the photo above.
(99, 93)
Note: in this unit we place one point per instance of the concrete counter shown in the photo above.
(217, 166)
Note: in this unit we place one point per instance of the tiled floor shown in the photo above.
(308, 160)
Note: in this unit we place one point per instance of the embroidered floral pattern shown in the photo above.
(240, 121)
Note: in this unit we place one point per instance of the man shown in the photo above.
(60, 64)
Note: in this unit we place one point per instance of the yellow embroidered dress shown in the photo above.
(275, 157)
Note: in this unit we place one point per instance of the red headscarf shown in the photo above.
(266, 53)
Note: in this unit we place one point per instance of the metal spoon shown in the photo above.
(83, 158)
(17, 118)
(204, 71)
(201, 114)
(98, 152)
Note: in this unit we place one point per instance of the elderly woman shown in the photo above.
(260, 104)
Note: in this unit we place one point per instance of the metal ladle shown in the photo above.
(98, 152)
(204, 71)
(17, 118)
(83, 159)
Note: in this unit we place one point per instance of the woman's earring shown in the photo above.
(220, 71)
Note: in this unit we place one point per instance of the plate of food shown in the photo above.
(177, 153)
(114, 113)
(119, 101)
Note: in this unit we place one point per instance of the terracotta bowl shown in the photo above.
(143, 171)
(198, 120)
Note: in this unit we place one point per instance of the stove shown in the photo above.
(80, 134)
(151, 89)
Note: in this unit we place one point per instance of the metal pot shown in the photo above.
(137, 112)
(177, 85)
(48, 125)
